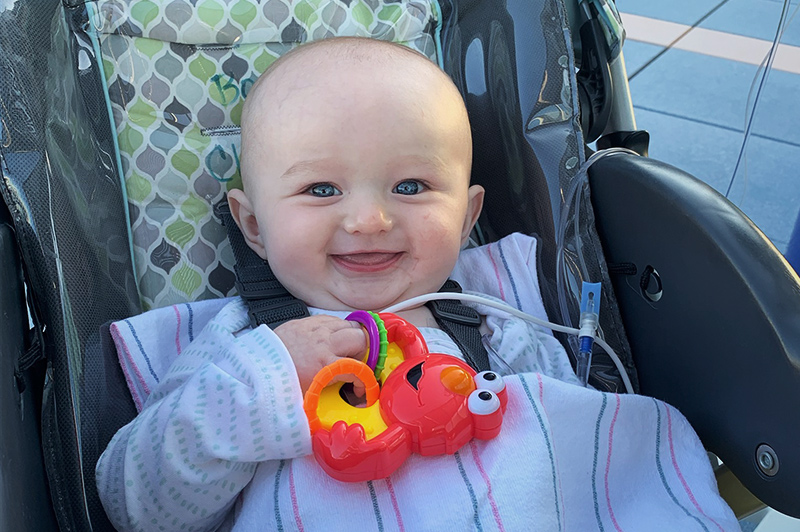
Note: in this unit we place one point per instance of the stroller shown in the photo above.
(119, 134)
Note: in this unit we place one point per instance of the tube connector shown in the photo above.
(589, 321)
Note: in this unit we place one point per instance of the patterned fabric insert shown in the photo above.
(177, 73)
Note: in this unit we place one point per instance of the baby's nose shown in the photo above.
(367, 216)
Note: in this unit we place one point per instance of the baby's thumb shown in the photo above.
(358, 388)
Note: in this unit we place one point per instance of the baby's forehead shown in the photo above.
(347, 80)
(358, 63)
(349, 52)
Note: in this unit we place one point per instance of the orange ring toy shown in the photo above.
(343, 366)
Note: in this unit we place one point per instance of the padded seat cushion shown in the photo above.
(177, 73)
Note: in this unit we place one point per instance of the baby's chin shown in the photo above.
(363, 301)
(375, 304)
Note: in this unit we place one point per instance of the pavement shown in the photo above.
(693, 68)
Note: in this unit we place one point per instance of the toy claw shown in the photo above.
(345, 453)
(429, 404)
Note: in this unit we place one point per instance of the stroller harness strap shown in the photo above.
(461, 323)
(268, 302)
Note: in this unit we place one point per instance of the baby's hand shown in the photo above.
(317, 341)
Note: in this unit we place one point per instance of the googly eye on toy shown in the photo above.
(483, 403)
(489, 380)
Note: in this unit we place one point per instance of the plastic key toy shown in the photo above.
(416, 402)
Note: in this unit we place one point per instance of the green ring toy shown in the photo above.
(384, 344)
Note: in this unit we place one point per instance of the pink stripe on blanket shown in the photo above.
(122, 349)
(686, 487)
(395, 506)
(608, 464)
(293, 493)
(474, 448)
(496, 272)
(177, 329)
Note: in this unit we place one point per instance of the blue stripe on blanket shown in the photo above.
(141, 350)
(276, 496)
(191, 321)
(375, 507)
(510, 277)
(475, 517)
(594, 463)
(661, 469)
(523, 381)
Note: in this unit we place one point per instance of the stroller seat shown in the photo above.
(120, 132)
(177, 76)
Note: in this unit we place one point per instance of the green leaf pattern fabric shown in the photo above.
(177, 73)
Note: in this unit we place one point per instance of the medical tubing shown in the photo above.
(562, 280)
(749, 106)
(773, 50)
(473, 298)
(586, 335)
(495, 356)
(584, 362)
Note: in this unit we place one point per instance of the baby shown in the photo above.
(356, 186)
(356, 164)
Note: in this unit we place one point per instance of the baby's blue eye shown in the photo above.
(408, 188)
(324, 190)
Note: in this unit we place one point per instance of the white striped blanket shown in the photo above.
(567, 458)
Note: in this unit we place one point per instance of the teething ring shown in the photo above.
(343, 366)
(363, 317)
(384, 344)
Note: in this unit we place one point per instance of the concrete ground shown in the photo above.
(693, 67)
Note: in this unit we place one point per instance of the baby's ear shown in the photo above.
(474, 206)
(243, 214)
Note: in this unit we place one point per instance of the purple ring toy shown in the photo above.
(363, 317)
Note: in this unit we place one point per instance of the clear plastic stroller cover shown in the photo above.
(120, 132)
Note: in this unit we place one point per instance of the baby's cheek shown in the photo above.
(291, 264)
(440, 232)
(438, 247)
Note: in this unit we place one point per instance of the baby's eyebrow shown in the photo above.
(310, 167)
(434, 163)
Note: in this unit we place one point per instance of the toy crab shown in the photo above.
(429, 404)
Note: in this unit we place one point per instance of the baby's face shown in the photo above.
(361, 192)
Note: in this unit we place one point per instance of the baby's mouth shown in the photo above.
(372, 261)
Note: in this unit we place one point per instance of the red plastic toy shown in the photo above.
(429, 404)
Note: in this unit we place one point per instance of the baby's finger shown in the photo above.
(355, 394)
(359, 388)
(349, 342)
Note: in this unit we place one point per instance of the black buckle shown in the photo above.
(274, 313)
(456, 312)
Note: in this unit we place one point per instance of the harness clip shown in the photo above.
(455, 312)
